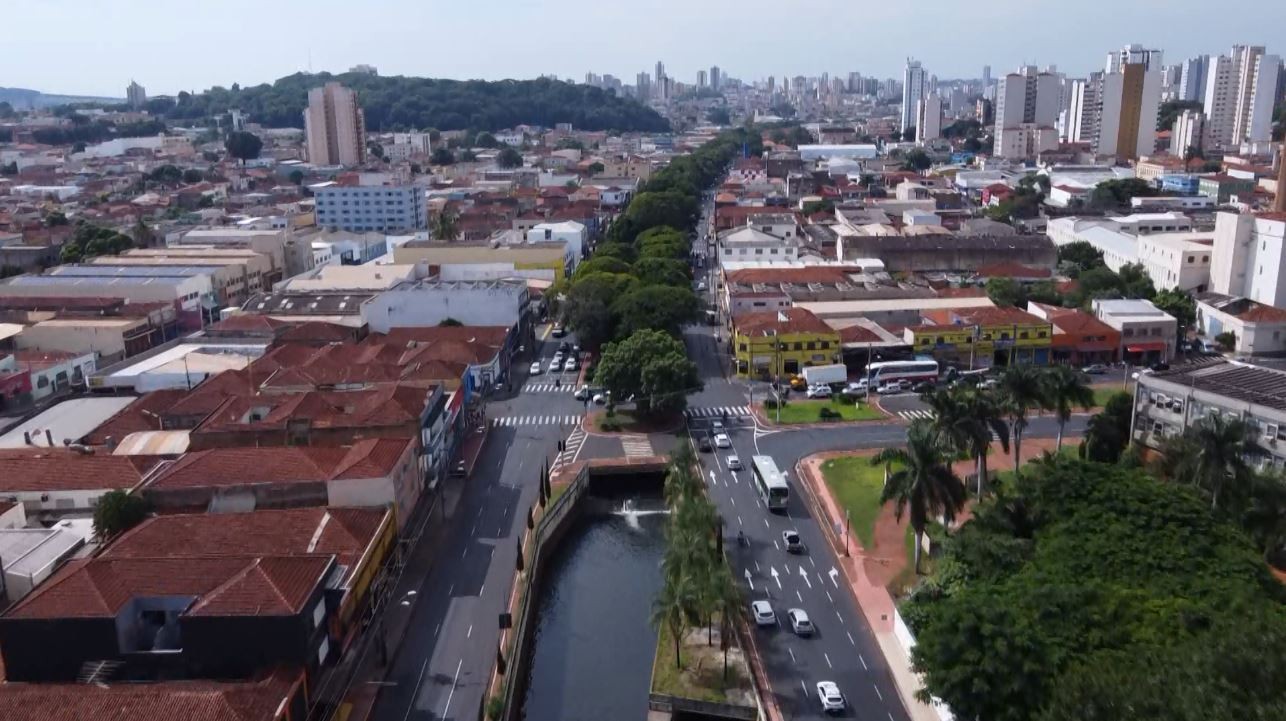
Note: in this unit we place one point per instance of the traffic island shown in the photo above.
(705, 679)
(820, 412)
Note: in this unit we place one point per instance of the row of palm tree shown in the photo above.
(919, 477)
(697, 586)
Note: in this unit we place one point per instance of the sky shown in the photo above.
(95, 47)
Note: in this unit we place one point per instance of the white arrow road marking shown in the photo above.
(714, 480)
(748, 582)
(804, 575)
(833, 573)
(772, 572)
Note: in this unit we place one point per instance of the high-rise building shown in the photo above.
(1082, 114)
(914, 88)
(643, 86)
(334, 126)
(1240, 90)
(1187, 132)
(716, 77)
(1192, 78)
(1171, 77)
(929, 118)
(772, 84)
(986, 75)
(135, 95)
(1129, 99)
(1027, 107)
(1134, 54)
(701, 78)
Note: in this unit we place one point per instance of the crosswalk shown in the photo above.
(574, 442)
(913, 415)
(536, 420)
(636, 446)
(548, 388)
(717, 411)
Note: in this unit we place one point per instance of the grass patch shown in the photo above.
(556, 492)
(856, 484)
(701, 677)
(1103, 393)
(1069, 451)
(809, 411)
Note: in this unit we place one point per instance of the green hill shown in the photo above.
(403, 103)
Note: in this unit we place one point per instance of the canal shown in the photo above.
(593, 645)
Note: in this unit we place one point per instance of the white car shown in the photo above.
(734, 463)
(799, 622)
(555, 365)
(582, 393)
(601, 398)
(717, 426)
(536, 369)
(794, 544)
(818, 392)
(832, 700)
(721, 440)
(762, 611)
(570, 364)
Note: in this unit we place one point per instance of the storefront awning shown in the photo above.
(1145, 347)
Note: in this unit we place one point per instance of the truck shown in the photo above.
(825, 375)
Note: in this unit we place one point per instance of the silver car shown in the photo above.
(799, 622)
(763, 613)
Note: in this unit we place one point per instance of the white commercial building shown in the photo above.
(1187, 132)
(1248, 260)
(1172, 258)
(1027, 104)
(748, 244)
(370, 207)
(810, 153)
(1241, 88)
(914, 89)
(574, 234)
(418, 304)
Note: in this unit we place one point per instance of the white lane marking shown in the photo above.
(797, 595)
(756, 563)
(860, 657)
(748, 581)
(877, 691)
(453, 683)
(473, 532)
(828, 597)
(891, 716)
(853, 643)
(773, 572)
(465, 552)
(841, 618)
(828, 660)
(804, 575)
(469, 633)
(734, 500)
(479, 513)
(801, 685)
(437, 628)
(811, 561)
(738, 521)
(766, 523)
(819, 579)
(774, 544)
(791, 651)
(451, 590)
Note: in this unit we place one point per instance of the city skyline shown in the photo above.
(167, 63)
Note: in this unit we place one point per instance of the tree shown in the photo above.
(1065, 389)
(661, 271)
(297, 177)
(670, 611)
(1227, 341)
(596, 168)
(660, 307)
(1006, 292)
(588, 306)
(1112, 194)
(1135, 281)
(375, 150)
(450, 323)
(1221, 447)
(468, 156)
(919, 478)
(1108, 432)
(144, 236)
(485, 140)
(652, 367)
(966, 420)
(192, 175)
(1021, 391)
(1181, 305)
(719, 116)
(243, 145)
(509, 158)
(1190, 154)
(442, 155)
(117, 512)
(445, 228)
(917, 160)
(1172, 109)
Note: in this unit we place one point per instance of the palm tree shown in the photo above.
(968, 420)
(1220, 459)
(445, 228)
(1265, 515)
(1065, 388)
(1021, 390)
(727, 601)
(922, 482)
(670, 610)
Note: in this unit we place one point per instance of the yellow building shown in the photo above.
(780, 343)
(982, 337)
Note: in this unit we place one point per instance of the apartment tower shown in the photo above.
(1238, 100)
(334, 126)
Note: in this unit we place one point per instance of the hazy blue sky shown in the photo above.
(97, 46)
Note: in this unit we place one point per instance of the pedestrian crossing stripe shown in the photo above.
(549, 388)
(913, 415)
(717, 411)
(537, 420)
(636, 446)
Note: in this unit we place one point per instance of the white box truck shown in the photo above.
(827, 374)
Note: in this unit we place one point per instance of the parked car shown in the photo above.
(799, 622)
(1094, 369)
(571, 364)
(555, 365)
(558, 331)
(600, 399)
(763, 613)
(717, 426)
(832, 700)
(734, 463)
(704, 445)
(923, 387)
(701, 286)
(819, 392)
(794, 544)
(535, 369)
(1161, 366)
(582, 393)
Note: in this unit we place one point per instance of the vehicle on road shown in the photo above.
(792, 541)
(717, 426)
(701, 286)
(734, 463)
(571, 364)
(583, 393)
(704, 445)
(600, 399)
(770, 482)
(1161, 366)
(535, 369)
(799, 622)
(763, 613)
(555, 365)
(721, 440)
(1094, 369)
(797, 383)
(882, 372)
(832, 700)
(923, 387)
(818, 392)
(558, 330)
(899, 386)
(823, 375)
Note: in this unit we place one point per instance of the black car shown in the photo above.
(923, 387)
(564, 347)
(1162, 366)
(704, 445)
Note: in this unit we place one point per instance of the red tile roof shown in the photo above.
(999, 315)
(220, 467)
(385, 405)
(808, 274)
(221, 586)
(259, 700)
(1072, 321)
(141, 415)
(48, 469)
(963, 292)
(1260, 313)
(858, 334)
(1011, 269)
(781, 322)
(248, 322)
(346, 533)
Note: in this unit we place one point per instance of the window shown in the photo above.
(924, 341)
(759, 251)
(824, 345)
(1191, 259)
(800, 346)
(1022, 335)
(811, 345)
(1156, 331)
(773, 251)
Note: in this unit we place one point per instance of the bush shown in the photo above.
(495, 708)
(610, 424)
(826, 413)
(771, 404)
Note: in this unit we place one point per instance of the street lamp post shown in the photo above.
(846, 525)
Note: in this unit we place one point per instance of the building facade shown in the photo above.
(371, 207)
(1027, 102)
(334, 127)
(1240, 91)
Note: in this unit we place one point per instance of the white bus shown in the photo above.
(893, 371)
(770, 482)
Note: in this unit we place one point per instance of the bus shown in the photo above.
(915, 371)
(770, 482)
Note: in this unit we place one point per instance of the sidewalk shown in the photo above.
(872, 598)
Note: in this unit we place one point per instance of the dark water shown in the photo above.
(593, 646)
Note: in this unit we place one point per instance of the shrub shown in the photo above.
(826, 413)
(495, 708)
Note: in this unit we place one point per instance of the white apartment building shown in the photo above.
(1192, 78)
(1177, 260)
(1239, 95)
(405, 146)
(334, 126)
(573, 234)
(1027, 103)
(1248, 260)
(1174, 258)
(1148, 333)
(1187, 132)
(751, 245)
(1259, 329)
(1128, 102)
(1082, 115)
(914, 88)
(370, 207)
(929, 125)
